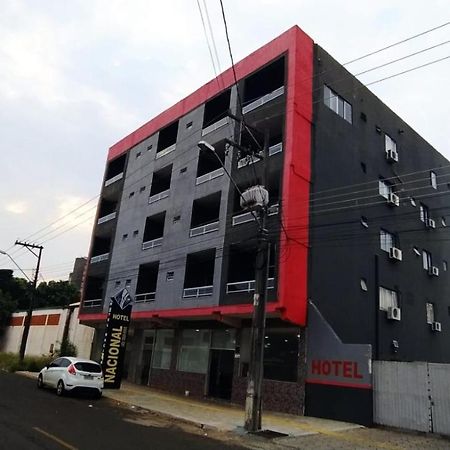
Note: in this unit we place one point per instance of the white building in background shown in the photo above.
(47, 330)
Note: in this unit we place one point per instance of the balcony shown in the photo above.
(247, 286)
(165, 151)
(252, 159)
(204, 229)
(100, 258)
(92, 303)
(196, 292)
(209, 176)
(243, 218)
(114, 179)
(159, 196)
(147, 297)
(215, 126)
(152, 244)
(263, 100)
(273, 210)
(106, 218)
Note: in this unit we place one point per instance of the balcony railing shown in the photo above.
(251, 159)
(243, 218)
(159, 196)
(208, 228)
(272, 210)
(247, 286)
(114, 179)
(107, 218)
(152, 244)
(145, 298)
(165, 151)
(209, 176)
(92, 303)
(262, 100)
(99, 258)
(215, 126)
(197, 291)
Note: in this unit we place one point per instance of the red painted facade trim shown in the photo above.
(243, 68)
(232, 310)
(339, 383)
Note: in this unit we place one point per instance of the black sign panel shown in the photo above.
(117, 324)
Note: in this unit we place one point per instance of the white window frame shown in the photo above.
(430, 312)
(433, 180)
(427, 261)
(387, 240)
(389, 143)
(337, 104)
(424, 213)
(388, 299)
(384, 188)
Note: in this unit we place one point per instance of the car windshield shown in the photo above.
(88, 367)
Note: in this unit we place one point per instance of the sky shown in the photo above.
(76, 77)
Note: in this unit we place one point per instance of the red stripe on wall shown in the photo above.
(39, 320)
(53, 319)
(339, 383)
(16, 321)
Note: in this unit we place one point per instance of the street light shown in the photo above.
(2, 252)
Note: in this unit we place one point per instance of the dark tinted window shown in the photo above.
(88, 367)
(56, 363)
(64, 362)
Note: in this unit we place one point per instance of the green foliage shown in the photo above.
(7, 306)
(11, 362)
(67, 349)
(56, 293)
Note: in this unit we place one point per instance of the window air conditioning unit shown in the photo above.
(436, 326)
(430, 223)
(394, 313)
(434, 271)
(393, 199)
(392, 155)
(395, 253)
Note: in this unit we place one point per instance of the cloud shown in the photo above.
(16, 207)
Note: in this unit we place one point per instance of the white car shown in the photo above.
(67, 374)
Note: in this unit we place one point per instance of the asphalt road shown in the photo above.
(37, 419)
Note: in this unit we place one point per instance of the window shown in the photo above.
(117, 284)
(337, 104)
(389, 143)
(445, 265)
(416, 251)
(163, 349)
(364, 222)
(430, 312)
(189, 125)
(433, 180)
(426, 259)
(443, 222)
(424, 213)
(384, 188)
(388, 299)
(170, 275)
(142, 189)
(363, 284)
(194, 351)
(127, 283)
(149, 147)
(131, 194)
(124, 237)
(387, 240)
(135, 233)
(413, 201)
(138, 154)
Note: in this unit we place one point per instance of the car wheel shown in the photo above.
(40, 382)
(60, 388)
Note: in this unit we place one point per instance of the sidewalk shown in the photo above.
(219, 416)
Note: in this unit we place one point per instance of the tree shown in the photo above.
(7, 306)
(55, 293)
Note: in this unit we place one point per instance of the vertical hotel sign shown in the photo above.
(114, 342)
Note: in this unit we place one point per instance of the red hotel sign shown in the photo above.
(337, 368)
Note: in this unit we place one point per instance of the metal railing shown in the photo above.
(274, 149)
(262, 100)
(99, 258)
(247, 286)
(145, 298)
(209, 176)
(165, 151)
(159, 196)
(114, 179)
(201, 291)
(107, 218)
(242, 218)
(272, 210)
(216, 125)
(152, 244)
(252, 159)
(92, 303)
(208, 228)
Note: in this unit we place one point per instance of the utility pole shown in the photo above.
(27, 323)
(255, 199)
